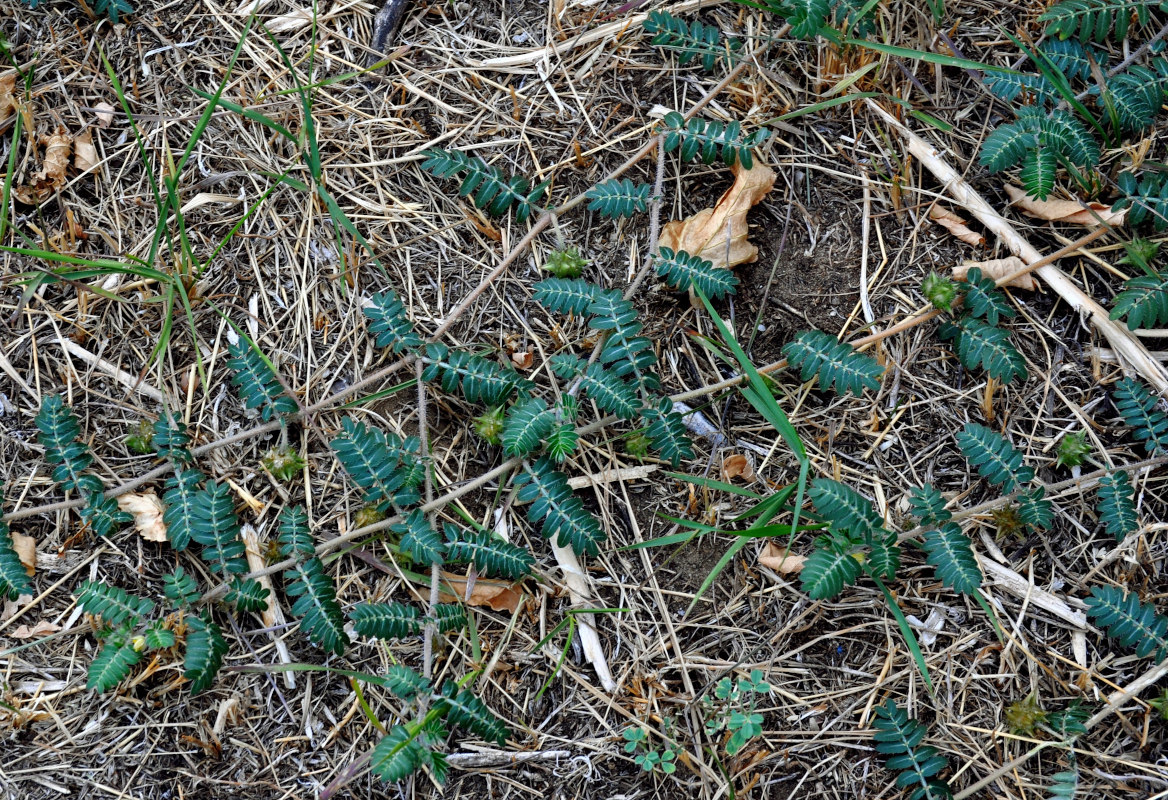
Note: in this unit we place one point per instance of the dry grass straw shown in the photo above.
(482, 77)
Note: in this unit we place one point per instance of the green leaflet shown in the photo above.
(994, 456)
(256, 381)
(1128, 621)
(898, 740)
(837, 364)
(951, 553)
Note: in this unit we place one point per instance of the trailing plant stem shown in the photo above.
(335, 398)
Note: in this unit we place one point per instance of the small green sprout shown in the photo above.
(940, 291)
(567, 263)
(1071, 449)
(489, 426)
(282, 463)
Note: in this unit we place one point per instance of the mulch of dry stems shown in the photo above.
(570, 119)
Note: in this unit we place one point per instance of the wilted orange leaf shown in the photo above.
(955, 225)
(1072, 211)
(737, 466)
(25, 547)
(998, 268)
(782, 562)
(495, 594)
(706, 233)
(147, 510)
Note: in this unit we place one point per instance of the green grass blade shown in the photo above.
(910, 639)
(733, 550)
(710, 483)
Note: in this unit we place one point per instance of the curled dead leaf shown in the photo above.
(782, 562)
(25, 547)
(737, 466)
(51, 176)
(7, 100)
(523, 360)
(718, 234)
(495, 594)
(147, 510)
(955, 225)
(998, 268)
(105, 114)
(1090, 215)
(42, 628)
(84, 153)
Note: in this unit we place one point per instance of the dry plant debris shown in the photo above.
(565, 92)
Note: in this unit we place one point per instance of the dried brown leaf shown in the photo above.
(105, 114)
(147, 510)
(25, 547)
(57, 148)
(998, 268)
(955, 225)
(84, 153)
(782, 562)
(1090, 215)
(51, 176)
(495, 594)
(737, 466)
(707, 232)
(7, 99)
(42, 628)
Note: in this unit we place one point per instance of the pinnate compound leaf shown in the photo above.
(113, 663)
(837, 364)
(385, 620)
(113, 604)
(951, 552)
(206, 648)
(1128, 621)
(827, 571)
(994, 456)
(1117, 507)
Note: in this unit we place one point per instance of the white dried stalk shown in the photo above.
(1132, 353)
(581, 597)
(273, 615)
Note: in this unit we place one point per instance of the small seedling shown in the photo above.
(282, 463)
(567, 263)
(1071, 449)
(733, 710)
(940, 291)
(648, 758)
